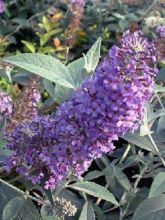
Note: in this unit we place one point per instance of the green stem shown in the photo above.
(156, 149)
(148, 10)
(99, 200)
(159, 100)
(125, 153)
(25, 194)
(139, 178)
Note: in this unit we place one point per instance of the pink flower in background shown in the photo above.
(5, 105)
(161, 30)
(78, 2)
(2, 6)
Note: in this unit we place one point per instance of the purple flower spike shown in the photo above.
(106, 106)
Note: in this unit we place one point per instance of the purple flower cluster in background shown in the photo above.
(159, 42)
(78, 2)
(2, 6)
(161, 30)
(5, 105)
(25, 106)
(108, 105)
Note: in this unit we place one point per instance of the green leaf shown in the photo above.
(122, 178)
(4, 152)
(62, 94)
(45, 66)
(161, 74)
(140, 141)
(19, 208)
(152, 209)
(6, 194)
(161, 124)
(45, 215)
(29, 46)
(49, 87)
(99, 212)
(95, 190)
(87, 212)
(93, 175)
(158, 185)
(153, 116)
(159, 88)
(21, 22)
(45, 37)
(47, 23)
(76, 70)
(79, 70)
(78, 74)
(93, 55)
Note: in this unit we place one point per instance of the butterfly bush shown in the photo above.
(106, 106)
(5, 105)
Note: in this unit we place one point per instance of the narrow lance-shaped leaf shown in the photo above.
(93, 55)
(94, 174)
(158, 185)
(122, 178)
(141, 141)
(152, 209)
(95, 190)
(87, 212)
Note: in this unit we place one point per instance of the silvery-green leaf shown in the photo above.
(141, 141)
(95, 190)
(20, 208)
(75, 68)
(158, 185)
(94, 174)
(6, 194)
(87, 212)
(159, 88)
(122, 178)
(45, 66)
(92, 57)
(46, 216)
(152, 209)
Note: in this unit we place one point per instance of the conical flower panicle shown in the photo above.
(106, 106)
(25, 107)
(77, 10)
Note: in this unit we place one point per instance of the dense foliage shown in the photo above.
(82, 110)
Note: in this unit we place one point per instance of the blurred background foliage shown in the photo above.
(42, 26)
